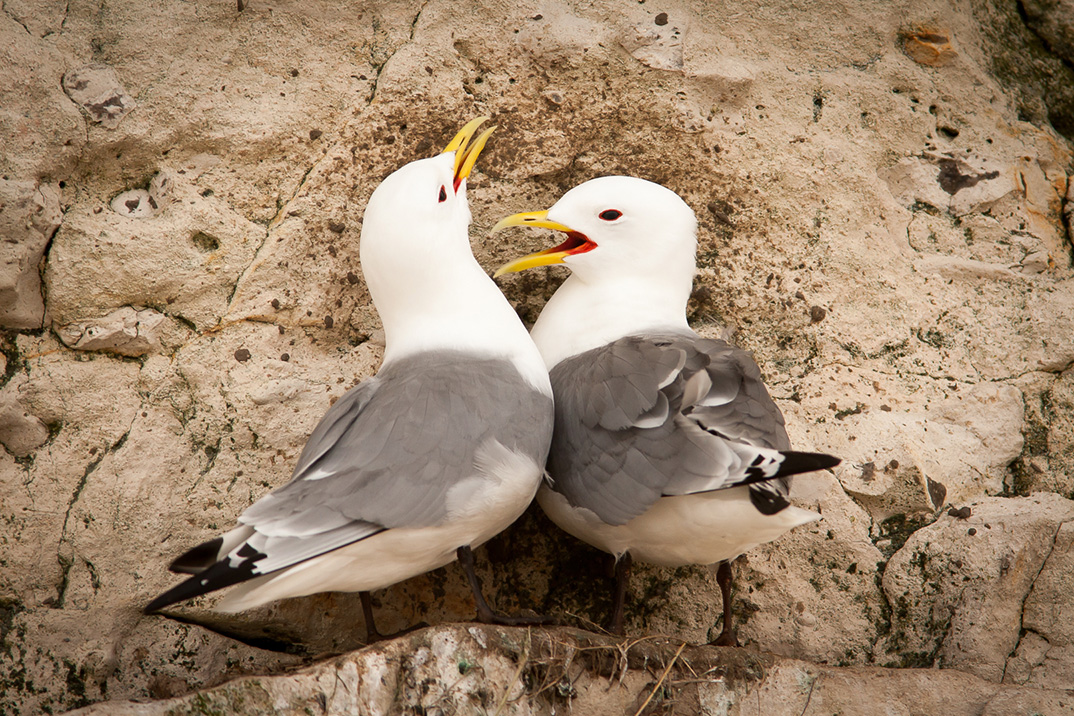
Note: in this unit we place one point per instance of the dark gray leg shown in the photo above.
(371, 633)
(485, 613)
(622, 585)
(724, 577)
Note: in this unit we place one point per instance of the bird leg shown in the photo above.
(724, 577)
(371, 633)
(622, 583)
(485, 613)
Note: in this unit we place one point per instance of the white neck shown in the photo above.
(458, 308)
(581, 316)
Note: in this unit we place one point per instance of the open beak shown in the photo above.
(576, 243)
(465, 152)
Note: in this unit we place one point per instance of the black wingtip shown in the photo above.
(793, 463)
(198, 559)
(217, 576)
(797, 462)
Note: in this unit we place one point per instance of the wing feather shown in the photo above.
(653, 415)
(385, 455)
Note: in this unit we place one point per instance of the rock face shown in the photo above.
(475, 669)
(885, 220)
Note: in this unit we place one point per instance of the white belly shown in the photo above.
(689, 529)
(397, 554)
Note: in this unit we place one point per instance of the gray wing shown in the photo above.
(386, 454)
(648, 416)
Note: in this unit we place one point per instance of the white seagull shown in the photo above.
(667, 447)
(441, 450)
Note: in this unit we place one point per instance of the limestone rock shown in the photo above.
(1053, 20)
(97, 89)
(458, 669)
(1045, 652)
(929, 45)
(127, 332)
(30, 213)
(20, 432)
(958, 586)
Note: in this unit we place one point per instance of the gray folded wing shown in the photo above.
(387, 453)
(648, 416)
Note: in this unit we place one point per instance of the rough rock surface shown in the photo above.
(475, 669)
(884, 208)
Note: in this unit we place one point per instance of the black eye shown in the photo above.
(610, 214)
(443, 194)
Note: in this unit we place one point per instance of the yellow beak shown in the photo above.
(465, 152)
(576, 243)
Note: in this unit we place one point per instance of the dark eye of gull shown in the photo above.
(443, 194)
(610, 214)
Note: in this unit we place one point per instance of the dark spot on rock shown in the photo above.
(281, 329)
(868, 471)
(952, 180)
(132, 204)
(337, 228)
(328, 322)
(285, 357)
(315, 134)
(721, 212)
(849, 411)
(661, 19)
(153, 202)
(962, 513)
(352, 278)
(428, 70)
(538, 16)
(276, 303)
(204, 242)
(886, 408)
(390, 139)
(242, 355)
(333, 250)
(817, 314)
(799, 295)
(893, 465)
(971, 532)
(949, 132)
(853, 568)
(937, 491)
(206, 192)
(294, 73)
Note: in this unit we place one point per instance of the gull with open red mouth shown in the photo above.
(667, 447)
(441, 450)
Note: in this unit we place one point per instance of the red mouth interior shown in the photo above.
(576, 243)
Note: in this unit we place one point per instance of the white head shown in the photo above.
(417, 221)
(429, 290)
(616, 226)
(631, 247)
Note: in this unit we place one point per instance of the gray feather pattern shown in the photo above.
(386, 454)
(635, 421)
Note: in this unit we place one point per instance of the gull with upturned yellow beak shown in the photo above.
(438, 452)
(667, 447)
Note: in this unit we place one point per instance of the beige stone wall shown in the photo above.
(884, 210)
